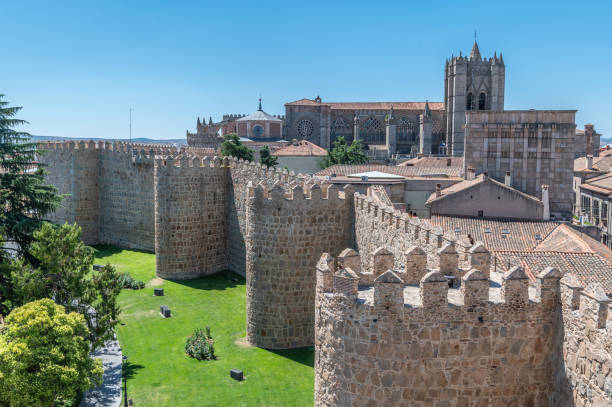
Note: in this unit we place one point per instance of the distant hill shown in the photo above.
(134, 140)
(605, 141)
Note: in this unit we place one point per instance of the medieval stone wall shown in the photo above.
(240, 174)
(286, 233)
(109, 188)
(392, 344)
(73, 168)
(127, 217)
(379, 225)
(190, 217)
(583, 349)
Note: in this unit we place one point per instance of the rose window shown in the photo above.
(305, 128)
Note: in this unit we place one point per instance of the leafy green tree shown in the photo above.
(44, 356)
(266, 158)
(233, 147)
(24, 198)
(64, 274)
(344, 153)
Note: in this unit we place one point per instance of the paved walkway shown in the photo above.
(109, 393)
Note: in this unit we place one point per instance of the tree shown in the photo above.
(24, 198)
(64, 274)
(266, 158)
(44, 356)
(343, 153)
(233, 147)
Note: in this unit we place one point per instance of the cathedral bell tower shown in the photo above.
(471, 83)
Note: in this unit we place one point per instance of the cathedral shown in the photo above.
(470, 83)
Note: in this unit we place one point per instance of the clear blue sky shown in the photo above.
(77, 67)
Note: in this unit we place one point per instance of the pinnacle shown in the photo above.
(475, 54)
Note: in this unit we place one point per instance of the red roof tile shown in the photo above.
(391, 169)
(301, 148)
(370, 105)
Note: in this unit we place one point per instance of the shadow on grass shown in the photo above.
(305, 356)
(130, 369)
(107, 250)
(219, 281)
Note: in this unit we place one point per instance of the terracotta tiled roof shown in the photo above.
(558, 246)
(605, 151)
(370, 105)
(599, 164)
(467, 184)
(301, 148)
(568, 240)
(403, 171)
(521, 235)
(433, 162)
(588, 267)
(603, 181)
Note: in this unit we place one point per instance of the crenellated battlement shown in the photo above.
(483, 343)
(383, 288)
(297, 192)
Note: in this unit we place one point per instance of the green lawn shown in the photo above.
(160, 374)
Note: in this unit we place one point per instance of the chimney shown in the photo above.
(589, 161)
(589, 132)
(471, 174)
(546, 211)
(438, 190)
(508, 180)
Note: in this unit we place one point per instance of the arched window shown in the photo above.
(406, 130)
(371, 131)
(468, 102)
(341, 127)
(482, 101)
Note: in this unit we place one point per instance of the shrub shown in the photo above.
(127, 281)
(44, 356)
(200, 345)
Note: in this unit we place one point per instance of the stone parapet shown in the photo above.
(380, 225)
(190, 217)
(404, 345)
(287, 230)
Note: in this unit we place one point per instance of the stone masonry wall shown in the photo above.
(583, 351)
(286, 233)
(241, 173)
(73, 168)
(392, 345)
(109, 188)
(127, 214)
(190, 217)
(379, 225)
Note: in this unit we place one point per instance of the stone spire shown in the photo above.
(475, 54)
(427, 112)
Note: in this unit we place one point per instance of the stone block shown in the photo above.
(236, 374)
(159, 292)
(165, 311)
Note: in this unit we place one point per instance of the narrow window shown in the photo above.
(468, 102)
(482, 101)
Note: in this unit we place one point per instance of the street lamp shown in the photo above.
(125, 398)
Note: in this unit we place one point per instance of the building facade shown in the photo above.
(596, 205)
(471, 83)
(535, 146)
(398, 126)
